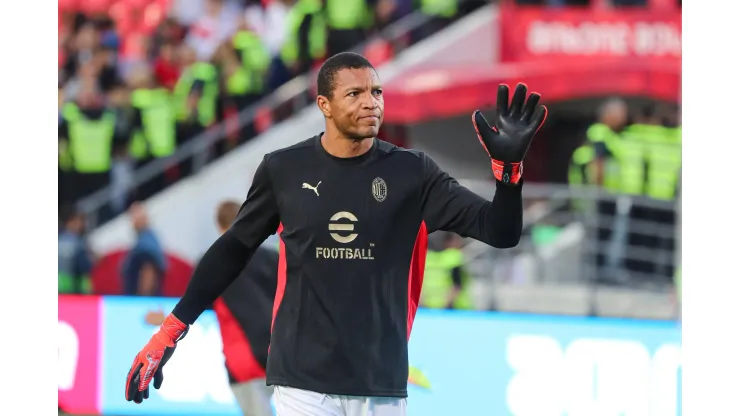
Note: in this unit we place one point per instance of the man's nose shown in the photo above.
(368, 101)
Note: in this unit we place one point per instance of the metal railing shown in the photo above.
(611, 255)
(294, 96)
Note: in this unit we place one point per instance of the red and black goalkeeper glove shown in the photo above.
(514, 127)
(150, 360)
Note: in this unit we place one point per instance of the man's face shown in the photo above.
(616, 116)
(356, 106)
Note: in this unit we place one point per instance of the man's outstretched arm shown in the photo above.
(229, 254)
(449, 206)
(257, 219)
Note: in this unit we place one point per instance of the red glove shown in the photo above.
(151, 359)
(514, 127)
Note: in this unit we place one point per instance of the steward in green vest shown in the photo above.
(306, 37)
(87, 134)
(196, 93)
(663, 158)
(348, 22)
(65, 160)
(582, 170)
(440, 13)
(245, 72)
(446, 284)
(153, 134)
(582, 173)
(605, 137)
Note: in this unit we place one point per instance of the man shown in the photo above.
(244, 312)
(353, 214)
(145, 265)
(616, 166)
(446, 284)
(75, 260)
(88, 137)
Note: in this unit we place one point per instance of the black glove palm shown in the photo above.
(514, 127)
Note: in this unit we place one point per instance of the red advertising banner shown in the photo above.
(556, 35)
(78, 343)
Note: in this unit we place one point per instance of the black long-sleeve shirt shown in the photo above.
(353, 245)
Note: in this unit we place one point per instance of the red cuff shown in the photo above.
(508, 173)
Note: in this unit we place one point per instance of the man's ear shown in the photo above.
(323, 104)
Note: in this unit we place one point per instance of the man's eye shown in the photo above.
(352, 94)
(378, 92)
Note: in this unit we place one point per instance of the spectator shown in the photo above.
(81, 48)
(144, 266)
(275, 25)
(217, 25)
(74, 261)
(168, 32)
(166, 69)
(106, 60)
(187, 12)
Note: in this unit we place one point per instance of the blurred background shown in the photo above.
(166, 107)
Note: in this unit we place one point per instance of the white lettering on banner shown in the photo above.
(666, 365)
(591, 377)
(69, 353)
(604, 38)
(196, 371)
(537, 365)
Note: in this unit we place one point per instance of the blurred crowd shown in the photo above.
(634, 155)
(140, 271)
(138, 78)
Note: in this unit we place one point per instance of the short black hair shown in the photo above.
(342, 60)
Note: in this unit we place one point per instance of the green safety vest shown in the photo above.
(581, 171)
(663, 156)
(68, 284)
(199, 71)
(438, 280)
(630, 154)
(601, 133)
(439, 8)
(157, 137)
(90, 141)
(255, 57)
(317, 34)
(348, 14)
(65, 157)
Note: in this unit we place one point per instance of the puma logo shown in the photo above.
(313, 188)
